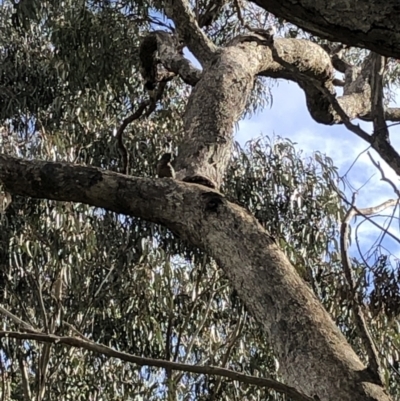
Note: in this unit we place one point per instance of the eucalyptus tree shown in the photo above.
(232, 264)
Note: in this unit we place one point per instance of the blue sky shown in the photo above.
(289, 118)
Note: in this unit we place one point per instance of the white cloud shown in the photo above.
(289, 118)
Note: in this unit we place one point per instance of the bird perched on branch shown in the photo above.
(164, 166)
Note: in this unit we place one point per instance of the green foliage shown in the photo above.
(289, 195)
(68, 78)
(125, 291)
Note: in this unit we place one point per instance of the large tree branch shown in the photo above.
(314, 356)
(188, 29)
(356, 100)
(391, 114)
(218, 100)
(371, 24)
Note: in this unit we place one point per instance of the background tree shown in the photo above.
(99, 269)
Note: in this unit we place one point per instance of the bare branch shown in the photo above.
(370, 348)
(4, 383)
(391, 114)
(43, 362)
(150, 104)
(17, 320)
(359, 212)
(230, 343)
(367, 211)
(120, 131)
(25, 377)
(384, 178)
(142, 361)
(39, 287)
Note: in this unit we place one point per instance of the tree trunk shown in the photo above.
(314, 356)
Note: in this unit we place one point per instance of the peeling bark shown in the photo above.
(314, 356)
(371, 24)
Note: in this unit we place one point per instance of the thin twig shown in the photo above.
(396, 191)
(200, 326)
(384, 178)
(230, 343)
(25, 377)
(189, 315)
(151, 104)
(39, 287)
(121, 129)
(237, 6)
(195, 336)
(17, 320)
(354, 162)
(3, 381)
(370, 348)
(364, 212)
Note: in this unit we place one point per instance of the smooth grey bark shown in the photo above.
(371, 24)
(221, 91)
(314, 356)
(219, 98)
